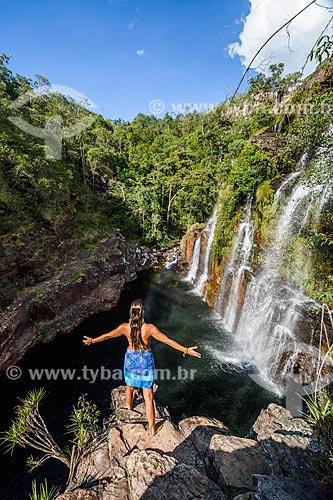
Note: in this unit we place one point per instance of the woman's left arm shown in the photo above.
(117, 332)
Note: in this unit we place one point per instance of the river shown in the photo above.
(214, 387)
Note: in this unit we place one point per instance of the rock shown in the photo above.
(94, 466)
(117, 447)
(79, 495)
(245, 496)
(143, 468)
(187, 425)
(200, 431)
(114, 487)
(159, 477)
(249, 495)
(282, 488)
(123, 414)
(232, 460)
(288, 442)
(186, 453)
(90, 282)
(196, 460)
(167, 439)
(188, 241)
(303, 368)
(323, 74)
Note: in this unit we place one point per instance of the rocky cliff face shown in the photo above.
(90, 282)
(199, 458)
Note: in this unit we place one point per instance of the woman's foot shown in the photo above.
(152, 431)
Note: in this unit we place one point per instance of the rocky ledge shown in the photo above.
(198, 459)
(90, 282)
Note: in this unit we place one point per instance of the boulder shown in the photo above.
(289, 443)
(118, 448)
(250, 495)
(79, 495)
(168, 440)
(143, 468)
(115, 486)
(94, 466)
(200, 431)
(138, 413)
(232, 460)
(198, 459)
(187, 425)
(158, 477)
(283, 488)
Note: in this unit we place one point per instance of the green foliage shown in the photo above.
(227, 217)
(320, 295)
(29, 429)
(252, 166)
(320, 416)
(314, 113)
(25, 414)
(323, 49)
(83, 422)
(152, 178)
(264, 199)
(77, 275)
(273, 87)
(43, 492)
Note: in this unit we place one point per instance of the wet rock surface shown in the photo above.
(198, 459)
(188, 241)
(91, 282)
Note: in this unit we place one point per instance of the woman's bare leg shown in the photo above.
(129, 396)
(150, 409)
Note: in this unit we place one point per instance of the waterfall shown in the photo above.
(263, 311)
(239, 262)
(194, 267)
(198, 273)
(203, 277)
(272, 308)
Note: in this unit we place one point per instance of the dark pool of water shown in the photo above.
(215, 389)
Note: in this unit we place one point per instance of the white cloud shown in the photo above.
(265, 17)
(132, 24)
(140, 52)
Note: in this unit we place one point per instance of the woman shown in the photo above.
(139, 364)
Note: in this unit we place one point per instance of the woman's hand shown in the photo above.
(191, 352)
(87, 341)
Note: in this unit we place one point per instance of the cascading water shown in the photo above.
(198, 273)
(194, 267)
(272, 308)
(209, 230)
(233, 276)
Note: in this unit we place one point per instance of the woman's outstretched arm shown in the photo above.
(117, 332)
(158, 335)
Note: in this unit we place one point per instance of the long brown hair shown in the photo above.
(136, 320)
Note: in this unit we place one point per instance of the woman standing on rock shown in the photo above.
(139, 367)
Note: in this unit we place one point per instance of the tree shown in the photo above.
(29, 429)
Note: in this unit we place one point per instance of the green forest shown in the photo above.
(153, 178)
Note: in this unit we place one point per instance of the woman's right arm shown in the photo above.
(158, 335)
(117, 332)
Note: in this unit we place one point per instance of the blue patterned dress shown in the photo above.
(139, 368)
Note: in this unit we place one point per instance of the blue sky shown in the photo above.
(91, 46)
(123, 54)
